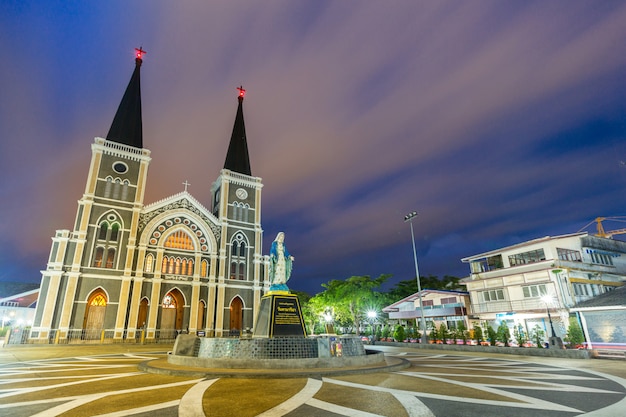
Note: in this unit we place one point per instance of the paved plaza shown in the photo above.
(106, 381)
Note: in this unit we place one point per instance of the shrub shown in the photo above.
(399, 334)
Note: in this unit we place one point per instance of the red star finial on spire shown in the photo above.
(242, 92)
(139, 53)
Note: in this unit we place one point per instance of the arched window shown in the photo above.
(107, 187)
(104, 226)
(179, 240)
(190, 267)
(240, 271)
(242, 249)
(204, 269)
(97, 260)
(235, 248)
(233, 270)
(164, 265)
(125, 189)
(114, 232)
(98, 301)
(149, 263)
(170, 269)
(110, 257)
(116, 188)
(178, 262)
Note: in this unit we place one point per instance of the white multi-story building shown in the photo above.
(539, 280)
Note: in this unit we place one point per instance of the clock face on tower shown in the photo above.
(241, 193)
(120, 167)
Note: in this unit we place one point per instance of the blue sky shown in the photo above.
(496, 121)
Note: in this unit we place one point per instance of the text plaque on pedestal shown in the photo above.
(280, 316)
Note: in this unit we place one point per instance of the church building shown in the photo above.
(128, 270)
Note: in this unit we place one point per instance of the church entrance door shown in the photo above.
(93, 322)
(172, 311)
(236, 316)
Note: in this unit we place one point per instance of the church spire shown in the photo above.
(237, 158)
(127, 127)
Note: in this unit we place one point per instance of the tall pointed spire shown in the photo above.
(237, 158)
(127, 127)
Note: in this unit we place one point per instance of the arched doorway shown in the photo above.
(236, 316)
(142, 317)
(93, 321)
(201, 310)
(172, 312)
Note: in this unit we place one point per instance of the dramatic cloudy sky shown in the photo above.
(497, 121)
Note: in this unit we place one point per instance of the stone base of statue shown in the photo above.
(279, 316)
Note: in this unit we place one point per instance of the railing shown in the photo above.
(518, 305)
(21, 335)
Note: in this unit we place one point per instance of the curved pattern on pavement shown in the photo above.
(434, 385)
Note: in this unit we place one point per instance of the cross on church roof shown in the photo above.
(186, 184)
(242, 92)
(139, 53)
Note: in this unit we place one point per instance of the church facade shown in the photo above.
(128, 270)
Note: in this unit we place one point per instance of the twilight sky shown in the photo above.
(497, 121)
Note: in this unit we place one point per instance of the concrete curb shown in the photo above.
(163, 367)
(551, 353)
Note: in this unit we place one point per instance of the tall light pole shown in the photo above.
(409, 218)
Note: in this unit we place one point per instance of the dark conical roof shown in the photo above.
(127, 127)
(237, 158)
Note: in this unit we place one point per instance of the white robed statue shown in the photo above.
(280, 264)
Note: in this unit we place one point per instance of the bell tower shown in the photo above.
(237, 203)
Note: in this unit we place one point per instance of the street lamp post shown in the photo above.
(409, 218)
(554, 340)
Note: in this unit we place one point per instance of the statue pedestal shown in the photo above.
(279, 316)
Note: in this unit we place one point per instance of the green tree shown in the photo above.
(503, 333)
(492, 336)
(353, 298)
(399, 334)
(478, 333)
(574, 333)
(409, 287)
(461, 332)
(442, 333)
(537, 335)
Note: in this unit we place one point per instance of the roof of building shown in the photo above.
(237, 158)
(522, 244)
(127, 126)
(9, 289)
(615, 298)
(425, 292)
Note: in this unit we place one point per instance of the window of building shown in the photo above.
(110, 257)
(569, 255)
(492, 295)
(426, 303)
(601, 258)
(487, 264)
(534, 291)
(114, 232)
(448, 300)
(527, 257)
(179, 240)
(149, 264)
(97, 260)
(104, 226)
(204, 268)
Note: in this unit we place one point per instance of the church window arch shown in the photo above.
(116, 188)
(204, 268)
(125, 185)
(164, 264)
(108, 186)
(104, 227)
(190, 267)
(110, 258)
(238, 257)
(149, 263)
(170, 266)
(97, 260)
(115, 228)
(179, 240)
(246, 210)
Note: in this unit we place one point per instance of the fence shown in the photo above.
(21, 336)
